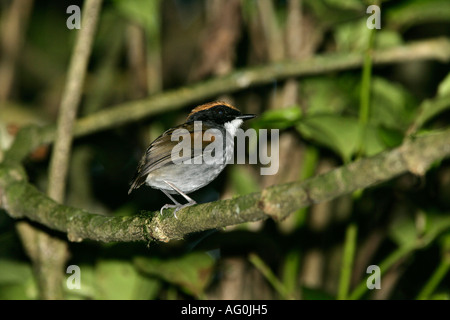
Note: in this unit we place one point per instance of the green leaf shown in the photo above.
(354, 36)
(278, 118)
(119, 280)
(436, 224)
(12, 271)
(444, 87)
(429, 109)
(390, 137)
(330, 95)
(333, 12)
(339, 134)
(403, 231)
(391, 105)
(191, 272)
(144, 12)
(16, 280)
(243, 181)
(440, 296)
(290, 271)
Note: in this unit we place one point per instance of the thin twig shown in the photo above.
(70, 100)
(269, 275)
(438, 275)
(347, 261)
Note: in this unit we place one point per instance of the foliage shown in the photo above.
(321, 252)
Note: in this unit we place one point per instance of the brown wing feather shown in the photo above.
(153, 160)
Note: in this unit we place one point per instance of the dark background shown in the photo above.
(143, 48)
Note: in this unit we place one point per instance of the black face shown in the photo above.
(218, 114)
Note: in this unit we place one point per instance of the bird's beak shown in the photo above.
(246, 116)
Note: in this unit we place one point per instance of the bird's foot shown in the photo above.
(168, 206)
(177, 207)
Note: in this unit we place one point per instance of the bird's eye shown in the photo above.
(220, 112)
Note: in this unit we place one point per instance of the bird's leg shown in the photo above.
(190, 200)
(177, 205)
(166, 206)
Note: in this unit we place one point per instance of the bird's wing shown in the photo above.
(159, 153)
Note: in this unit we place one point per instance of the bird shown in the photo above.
(190, 172)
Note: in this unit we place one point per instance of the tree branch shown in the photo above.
(436, 49)
(22, 200)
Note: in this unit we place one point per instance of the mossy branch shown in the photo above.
(22, 200)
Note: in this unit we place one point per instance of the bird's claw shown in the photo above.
(167, 206)
(177, 207)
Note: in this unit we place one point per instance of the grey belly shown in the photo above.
(189, 177)
(186, 177)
